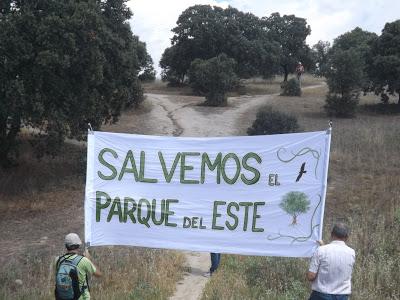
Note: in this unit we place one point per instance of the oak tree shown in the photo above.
(63, 64)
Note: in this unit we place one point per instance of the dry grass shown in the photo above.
(160, 87)
(253, 86)
(259, 86)
(363, 190)
(129, 273)
(40, 202)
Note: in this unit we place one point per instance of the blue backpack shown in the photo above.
(67, 283)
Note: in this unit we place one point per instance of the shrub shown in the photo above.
(291, 88)
(213, 78)
(269, 121)
(342, 106)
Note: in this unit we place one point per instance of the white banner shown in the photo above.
(257, 195)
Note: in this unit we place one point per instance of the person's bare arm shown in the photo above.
(311, 275)
(98, 272)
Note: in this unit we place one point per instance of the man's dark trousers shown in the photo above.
(321, 296)
(215, 259)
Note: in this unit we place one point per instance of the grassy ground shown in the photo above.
(253, 86)
(363, 190)
(160, 87)
(258, 86)
(40, 202)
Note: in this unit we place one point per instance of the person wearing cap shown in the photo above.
(331, 267)
(85, 266)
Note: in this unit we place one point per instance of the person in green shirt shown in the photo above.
(85, 266)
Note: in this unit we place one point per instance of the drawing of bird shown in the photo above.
(301, 172)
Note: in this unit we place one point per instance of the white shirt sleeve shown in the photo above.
(315, 261)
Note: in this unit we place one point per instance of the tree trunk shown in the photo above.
(286, 73)
(7, 141)
(3, 142)
(216, 99)
(294, 222)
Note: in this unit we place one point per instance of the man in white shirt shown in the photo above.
(331, 267)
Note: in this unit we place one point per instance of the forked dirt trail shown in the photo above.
(189, 119)
(175, 115)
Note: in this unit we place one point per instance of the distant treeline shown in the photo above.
(260, 46)
(208, 38)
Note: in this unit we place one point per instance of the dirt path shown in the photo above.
(190, 119)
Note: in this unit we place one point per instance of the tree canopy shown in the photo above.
(290, 32)
(384, 61)
(147, 72)
(320, 56)
(260, 46)
(345, 70)
(347, 61)
(64, 64)
(204, 32)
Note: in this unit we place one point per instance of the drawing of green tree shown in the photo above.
(295, 203)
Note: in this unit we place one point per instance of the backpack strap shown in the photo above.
(62, 258)
(76, 260)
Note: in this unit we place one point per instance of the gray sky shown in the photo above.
(154, 19)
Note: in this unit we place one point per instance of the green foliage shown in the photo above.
(341, 106)
(148, 75)
(320, 57)
(269, 121)
(290, 32)
(213, 78)
(355, 39)
(346, 71)
(64, 64)
(384, 68)
(259, 46)
(295, 203)
(147, 72)
(204, 32)
(347, 61)
(175, 64)
(291, 88)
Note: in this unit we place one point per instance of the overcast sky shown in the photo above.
(153, 20)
